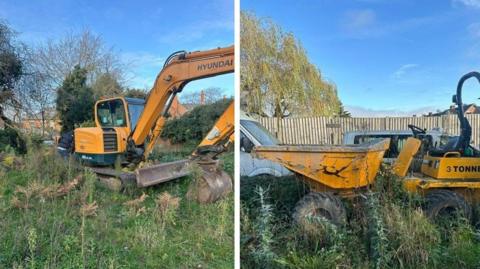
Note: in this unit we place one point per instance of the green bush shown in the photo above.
(194, 125)
(69, 109)
(10, 138)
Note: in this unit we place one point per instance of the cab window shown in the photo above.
(111, 113)
(259, 132)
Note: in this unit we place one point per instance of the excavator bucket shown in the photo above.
(211, 184)
(160, 173)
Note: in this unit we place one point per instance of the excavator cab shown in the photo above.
(115, 118)
(118, 112)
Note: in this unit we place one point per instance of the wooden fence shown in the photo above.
(330, 130)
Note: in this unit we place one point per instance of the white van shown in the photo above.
(434, 138)
(252, 133)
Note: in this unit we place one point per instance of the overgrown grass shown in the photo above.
(386, 229)
(54, 215)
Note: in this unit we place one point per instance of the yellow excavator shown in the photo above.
(127, 128)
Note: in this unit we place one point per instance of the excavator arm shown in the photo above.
(179, 69)
(220, 136)
(218, 183)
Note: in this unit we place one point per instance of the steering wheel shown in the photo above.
(416, 130)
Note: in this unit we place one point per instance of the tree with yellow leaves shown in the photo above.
(277, 79)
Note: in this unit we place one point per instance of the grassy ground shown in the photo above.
(386, 229)
(48, 220)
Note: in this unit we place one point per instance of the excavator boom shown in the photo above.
(179, 69)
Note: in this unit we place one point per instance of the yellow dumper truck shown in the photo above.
(448, 177)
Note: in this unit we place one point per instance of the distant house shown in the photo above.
(177, 109)
(33, 123)
(468, 108)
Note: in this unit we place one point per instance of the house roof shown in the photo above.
(468, 108)
(177, 109)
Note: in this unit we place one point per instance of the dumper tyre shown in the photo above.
(446, 203)
(319, 204)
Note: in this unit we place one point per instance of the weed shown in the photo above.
(67, 187)
(463, 248)
(23, 195)
(32, 245)
(377, 232)
(413, 239)
(136, 204)
(89, 185)
(196, 173)
(264, 254)
(88, 210)
(78, 225)
(166, 206)
(223, 208)
(148, 233)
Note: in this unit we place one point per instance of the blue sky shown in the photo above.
(387, 57)
(144, 33)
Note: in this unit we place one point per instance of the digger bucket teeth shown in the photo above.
(160, 173)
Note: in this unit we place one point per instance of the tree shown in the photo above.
(193, 126)
(135, 93)
(343, 113)
(52, 62)
(277, 78)
(11, 69)
(56, 59)
(75, 99)
(210, 95)
(36, 97)
(106, 85)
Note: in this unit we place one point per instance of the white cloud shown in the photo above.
(474, 29)
(400, 72)
(196, 31)
(143, 66)
(473, 53)
(359, 20)
(365, 24)
(142, 59)
(468, 3)
(358, 111)
(114, 13)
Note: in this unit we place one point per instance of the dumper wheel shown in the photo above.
(319, 205)
(446, 204)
